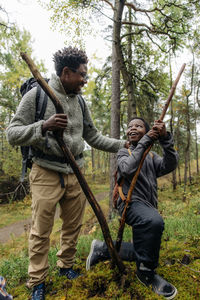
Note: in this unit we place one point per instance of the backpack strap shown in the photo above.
(122, 182)
(82, 104)
(41, 103)
(27, 152)
(151, 154)
(129, 151)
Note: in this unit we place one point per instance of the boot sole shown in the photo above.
(89, 256)
(168, 298)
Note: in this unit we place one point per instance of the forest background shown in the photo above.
(145, 39)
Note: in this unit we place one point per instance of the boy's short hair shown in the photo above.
(69, 57)
(145, 123)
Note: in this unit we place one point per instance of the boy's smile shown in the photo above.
(136, 130)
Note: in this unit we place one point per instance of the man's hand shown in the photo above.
(55, 122)
(127, 145)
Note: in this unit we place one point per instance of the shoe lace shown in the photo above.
(38, 293)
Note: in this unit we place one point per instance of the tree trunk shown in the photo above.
(98, 160)
(174, 181)
(196, 137)
(177, 137)
(187, 149)
(130, 86)
(115, 98)
(197, 150)
(93, 163)
(179, 174)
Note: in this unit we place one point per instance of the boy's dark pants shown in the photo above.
(147, 226)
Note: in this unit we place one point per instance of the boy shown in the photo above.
(142, 214)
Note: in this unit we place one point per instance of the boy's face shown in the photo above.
(74, 80)
(136, 130)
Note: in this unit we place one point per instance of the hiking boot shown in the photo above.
(38, 292)
(3, 294)
(97, 254)
(159, 285)
(69, 273)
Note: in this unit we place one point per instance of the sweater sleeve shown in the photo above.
(167, 163)
(23, 130)
(95, 139)
(128, 164)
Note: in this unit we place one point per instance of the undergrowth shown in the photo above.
(179, 256)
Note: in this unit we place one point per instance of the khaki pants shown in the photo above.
(46, 193)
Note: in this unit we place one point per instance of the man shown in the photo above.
(51, 178)
(142, 214)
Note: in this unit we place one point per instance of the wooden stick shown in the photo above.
(68, 155)
(133, 182)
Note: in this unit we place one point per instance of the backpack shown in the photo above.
(41, 104)
(117, 190)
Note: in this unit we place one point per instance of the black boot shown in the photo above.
(158, 284)
(99, 252)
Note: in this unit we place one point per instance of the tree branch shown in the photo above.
(153, 9)
(108, 2)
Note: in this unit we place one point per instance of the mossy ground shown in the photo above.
(179, 257)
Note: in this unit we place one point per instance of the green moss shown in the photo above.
(181, 240)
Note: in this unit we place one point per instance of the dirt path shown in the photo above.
(17, 229)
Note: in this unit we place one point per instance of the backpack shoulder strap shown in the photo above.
(82, 104)
(151, 154)
(122, 182)
(41, 103)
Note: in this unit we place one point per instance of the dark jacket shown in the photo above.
(154, 166)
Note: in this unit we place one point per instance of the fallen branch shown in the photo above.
(68, 155)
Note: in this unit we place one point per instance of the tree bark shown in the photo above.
(174, 181)
(130, 85)
(196, 137)
(115, 98)
(93, 163)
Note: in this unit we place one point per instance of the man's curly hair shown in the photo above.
(69, 57)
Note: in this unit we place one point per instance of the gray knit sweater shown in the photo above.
(23, 130)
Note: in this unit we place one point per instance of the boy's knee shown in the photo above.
(157, 223)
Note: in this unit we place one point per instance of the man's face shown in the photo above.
(136, 130)
(74, 79)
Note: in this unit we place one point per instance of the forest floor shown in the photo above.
(18, 228)
(179, 255)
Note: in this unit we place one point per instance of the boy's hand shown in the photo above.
(153, 134)
(160, 127)
(55, 122)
